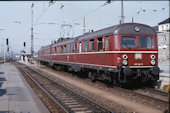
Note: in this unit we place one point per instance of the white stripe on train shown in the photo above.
(100, 65)
(104, 52)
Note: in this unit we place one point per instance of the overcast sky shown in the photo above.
(15, 19)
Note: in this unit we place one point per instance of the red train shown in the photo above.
(119, 54)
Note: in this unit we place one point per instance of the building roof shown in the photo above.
(155, 28)
(165, 21)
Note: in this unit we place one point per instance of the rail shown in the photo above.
(68, 99)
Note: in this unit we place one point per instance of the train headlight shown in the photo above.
(152, 56)
(125, 62)
(153, 62)
(125, 56)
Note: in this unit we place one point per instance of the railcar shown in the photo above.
(121, 54)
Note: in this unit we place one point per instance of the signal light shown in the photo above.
(125, 56)
(7, 41)
(152, 56)
(153, 62)
(108, 1)
(24, 44)
(125, 62)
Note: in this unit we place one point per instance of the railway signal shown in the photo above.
(8, 49)
(24, 44)
(108, 1)
(7, 41)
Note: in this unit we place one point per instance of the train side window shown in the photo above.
(72, 48)
(76, 48)
(100, 44)
(58, 50)
(106, 43)
(61, 49)
(65, 48)
(92, 45)
(55, 49)
(68, 48)
(85, 46)
(80, 47)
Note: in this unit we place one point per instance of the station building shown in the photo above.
(163, 35)
(25, 57)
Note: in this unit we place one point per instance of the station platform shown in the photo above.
(164, 75)
(164, 68)
(16, 96)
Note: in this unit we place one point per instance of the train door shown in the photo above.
(75, 51)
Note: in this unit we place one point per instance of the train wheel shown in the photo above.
(144, 77)
(122, 78)
(92, 76)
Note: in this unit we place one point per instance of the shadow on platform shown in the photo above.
(2, 92)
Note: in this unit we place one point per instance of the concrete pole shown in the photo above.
(122, 12)
(32, 37)
(84, 26)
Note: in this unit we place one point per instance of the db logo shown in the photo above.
(138, 56)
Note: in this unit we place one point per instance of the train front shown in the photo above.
(137, 58)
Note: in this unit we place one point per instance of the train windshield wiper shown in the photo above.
(125, 43)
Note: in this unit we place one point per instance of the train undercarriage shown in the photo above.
(119, 76)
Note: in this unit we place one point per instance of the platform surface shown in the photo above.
(164, 68)
(16, 96)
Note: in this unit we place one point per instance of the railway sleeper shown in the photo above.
(123, 76)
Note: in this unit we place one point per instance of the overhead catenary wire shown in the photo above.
(82, 16)
(141, 10)
(45, 10)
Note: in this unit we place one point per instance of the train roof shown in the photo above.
(126, 28)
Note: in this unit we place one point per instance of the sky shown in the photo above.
(48, 18)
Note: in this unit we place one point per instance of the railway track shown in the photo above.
(69, 100)
(153, 93)
(149, 96)
(149, 93)
(1, 62)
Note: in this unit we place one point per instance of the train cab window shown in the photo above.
(92, 45)
(128, 42)
(68, 48)
(85, 46)
(146, 42)
(65, 48)
(72, 48)
(100, 44)
(106, 43)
